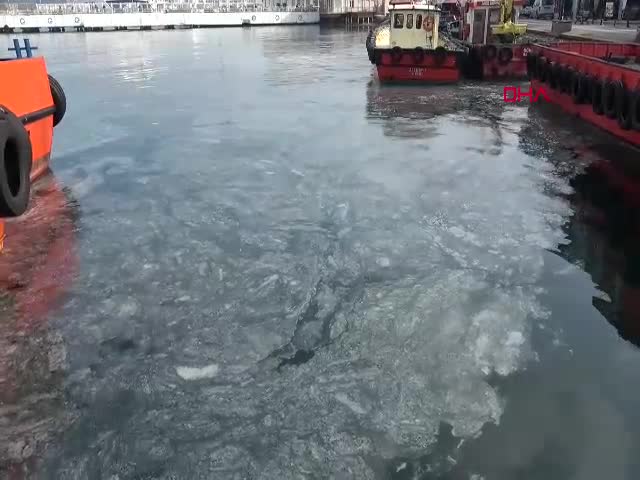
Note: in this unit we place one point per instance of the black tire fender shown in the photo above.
(505, 55)
(635, 109)
(597, 87)
(440, 55)
(609, 98)
(532, 60)
(567, 78)
(489, 52)
(554, 76)
(623, 107)
(418, 55)
(577, 90)
(15, 167)
(59, 100)
(586, 83)
(540, 68)
(396, 55)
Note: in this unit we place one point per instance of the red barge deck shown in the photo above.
(598, 82)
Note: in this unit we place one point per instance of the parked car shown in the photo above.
(526, 11)
(542, 9)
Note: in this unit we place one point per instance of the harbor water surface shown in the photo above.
(276, 268)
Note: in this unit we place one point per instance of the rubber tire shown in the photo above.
(59, 100)
(586, 82)
(597, 87)
(418, 55)
(531, 65)
(579, 88)
(554, 76)
(15, 166)
(609, 98)
(623, 107)
(635, 109)
(548, 71)
(567, 79)
(540, 70)
(396, 55)
(505, 55)
(440, 55)
(489, 52)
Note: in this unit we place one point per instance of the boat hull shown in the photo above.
(584, 80)
(427, 68)
(585, 112)
(27, 94)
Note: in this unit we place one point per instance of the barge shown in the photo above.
(598, 82)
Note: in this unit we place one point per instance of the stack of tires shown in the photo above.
(607, 96)
(16, 156)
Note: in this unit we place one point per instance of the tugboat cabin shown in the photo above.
(413, 24)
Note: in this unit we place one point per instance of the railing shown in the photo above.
(351, 6)
(202, 7)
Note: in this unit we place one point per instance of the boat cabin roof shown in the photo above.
(413, 5)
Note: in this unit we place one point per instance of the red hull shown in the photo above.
(585, 111)
(430, 68)
(585, 64)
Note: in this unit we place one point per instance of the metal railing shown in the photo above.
(103, 7)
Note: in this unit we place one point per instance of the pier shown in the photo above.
(352, 13)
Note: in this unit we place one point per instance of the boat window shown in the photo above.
(419, 21)
(410, 20)
(398, 20)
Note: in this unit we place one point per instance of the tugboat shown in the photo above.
(491, 31)
(32, 103)
(411, 48)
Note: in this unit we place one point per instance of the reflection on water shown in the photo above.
(288, 271)
(604, 232)
(37, 268)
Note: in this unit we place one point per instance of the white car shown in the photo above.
(542, 9)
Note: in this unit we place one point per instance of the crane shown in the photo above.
(506, 30)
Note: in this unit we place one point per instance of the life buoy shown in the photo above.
(16, 158)
(77, 20)
(418, 55)
(634, 104)
(623, 107)
(277, 18)
(609, 98)
(59, 100)
(597, 86)
(299, 18)
(396, 55)
(427, 23)
(50, 20)
(253, 18)
(22, 21)
(505, 55)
